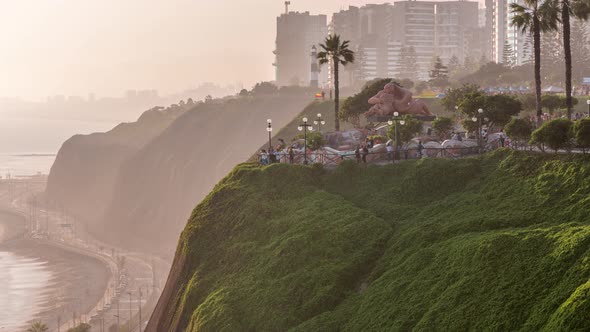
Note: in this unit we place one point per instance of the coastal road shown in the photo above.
(137, 272)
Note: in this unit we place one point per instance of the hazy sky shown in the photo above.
(74, 47)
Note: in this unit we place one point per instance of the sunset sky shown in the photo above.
(75, 47)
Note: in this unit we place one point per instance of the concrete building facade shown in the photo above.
(502, 33)
(297, 33)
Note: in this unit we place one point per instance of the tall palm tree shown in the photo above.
(38, 327)
(579, 9)
(535, 17)
(337, 53)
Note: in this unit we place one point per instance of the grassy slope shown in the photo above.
(498, 243)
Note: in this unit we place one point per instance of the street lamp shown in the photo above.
(269, 129)
(130, 311)
(319, 122)
(478, 119)
(305, 127)
(395, 120)
(588, 102)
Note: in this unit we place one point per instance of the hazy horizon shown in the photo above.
(106, 47)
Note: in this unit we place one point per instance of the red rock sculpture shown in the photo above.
(394, 98)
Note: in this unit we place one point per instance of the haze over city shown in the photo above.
(106, 47)
(299, 165)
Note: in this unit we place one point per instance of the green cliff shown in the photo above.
(497, 243)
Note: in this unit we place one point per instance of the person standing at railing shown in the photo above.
(365, 152)
(291, 154)
(389, 149)
(357, 154)
(263, 157)
(420, 148)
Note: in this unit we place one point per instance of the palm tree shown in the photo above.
(579, 9)
(337, 53)
(38, 327)
(535, 17)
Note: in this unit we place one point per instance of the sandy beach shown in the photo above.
(75, 281)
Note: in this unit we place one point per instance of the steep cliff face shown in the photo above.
(157, 188)
(137, 183)
(83, 175)
(499, 243)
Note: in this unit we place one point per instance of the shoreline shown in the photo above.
(78, 281)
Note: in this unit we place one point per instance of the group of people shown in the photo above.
(362, 151)
(281, 153)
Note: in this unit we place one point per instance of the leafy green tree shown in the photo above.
(519, 130)
(488, 74)
(500, 109)
(407, 131)
(469, 125)
(582, 133)
(551, 102)
(535, 17)
(264, 88)
(38, 327)
(336, 53)
(555, 102)
(315, 140)
(556, 134)
(455, 95)
(353, 107)
(442, 127)
(528, 101)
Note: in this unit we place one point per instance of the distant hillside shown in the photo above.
(138, 182)
(84, 172)
(158, 187)
(496, 243)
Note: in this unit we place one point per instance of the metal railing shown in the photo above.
(332, 159)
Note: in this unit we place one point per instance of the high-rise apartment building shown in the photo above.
(368, 29)
(297, 33)
(502, 34)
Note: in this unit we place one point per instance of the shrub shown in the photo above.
(442, 127)
(315, 140)
(469, 125)
(378, 139)
(581, 133)
(519, 130)
(556, 134)
(407, 131)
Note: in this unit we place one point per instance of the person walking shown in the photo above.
(357, 153)
(365, 153)
(502, 139)
(420, 148)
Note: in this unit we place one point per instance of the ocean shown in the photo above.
(25, 164)
(28, 146)
(23, 292)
